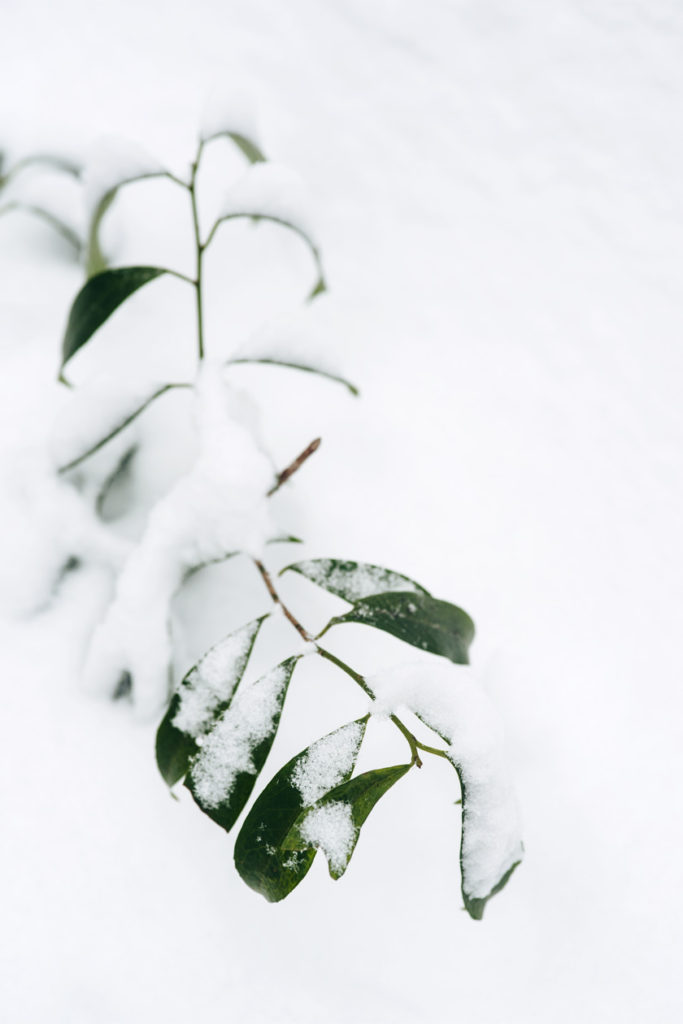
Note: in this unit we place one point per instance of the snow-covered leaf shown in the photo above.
(353, 581)
(98, 299)
(259, 856)
(204, 693)
(304, 367)
(334, 824)
(232, 117)
(419, 619)
(232, 754)
(114, 163)
(275, 194)
(451, 701)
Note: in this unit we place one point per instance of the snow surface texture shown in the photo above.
(327, 763)
(217, 508)
(228, 749)
(449, 699)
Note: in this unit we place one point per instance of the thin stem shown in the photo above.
(265, 576)
(292, 468)
(199, 248)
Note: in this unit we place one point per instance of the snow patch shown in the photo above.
(232, 113)
(327, 763)
(331, 829)
(228, 749)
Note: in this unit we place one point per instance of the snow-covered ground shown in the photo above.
(499, 198)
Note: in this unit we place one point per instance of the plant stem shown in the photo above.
(292, 468)
(200, 253)
(265, 576)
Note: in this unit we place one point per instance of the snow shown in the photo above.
(450, 699)
(271, 190)
(228, 749)
(114, 161)
(234, 113)
(331, 829)
(92, 411)
(501, 203)
(219, 506)
(213, 680)
(328, 762)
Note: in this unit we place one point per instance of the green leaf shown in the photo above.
(353, 580)
(285, 539)
(232, 754)
(259, 857)
(97, 300)
(420, 620)
(334, 823)
(475, 905)
(204, 693)
(304, 367)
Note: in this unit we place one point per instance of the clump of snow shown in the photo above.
(229, 114)
(113, 162)
(327, 762)
(217, 507)
(270, 190)
(47, 526)
(228, 749)
(213, 680)
(330, 827)
(449, 699)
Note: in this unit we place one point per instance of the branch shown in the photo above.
(284, 476)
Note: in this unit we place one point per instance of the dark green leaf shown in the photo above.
(420, 620)
(304, 367)
(97, 300)
(475, 906)
(340, 814)
(259, 857)
(353, 581)
(204, 693)
(232, 754)
(285, 540)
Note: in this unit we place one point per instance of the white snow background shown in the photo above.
(499, 196)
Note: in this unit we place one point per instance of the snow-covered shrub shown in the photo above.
(219, 724)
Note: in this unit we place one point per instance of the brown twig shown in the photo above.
(284, 476)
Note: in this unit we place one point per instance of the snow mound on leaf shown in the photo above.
(218, 507)
(450, 700)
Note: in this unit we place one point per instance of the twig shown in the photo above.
(284, 476)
